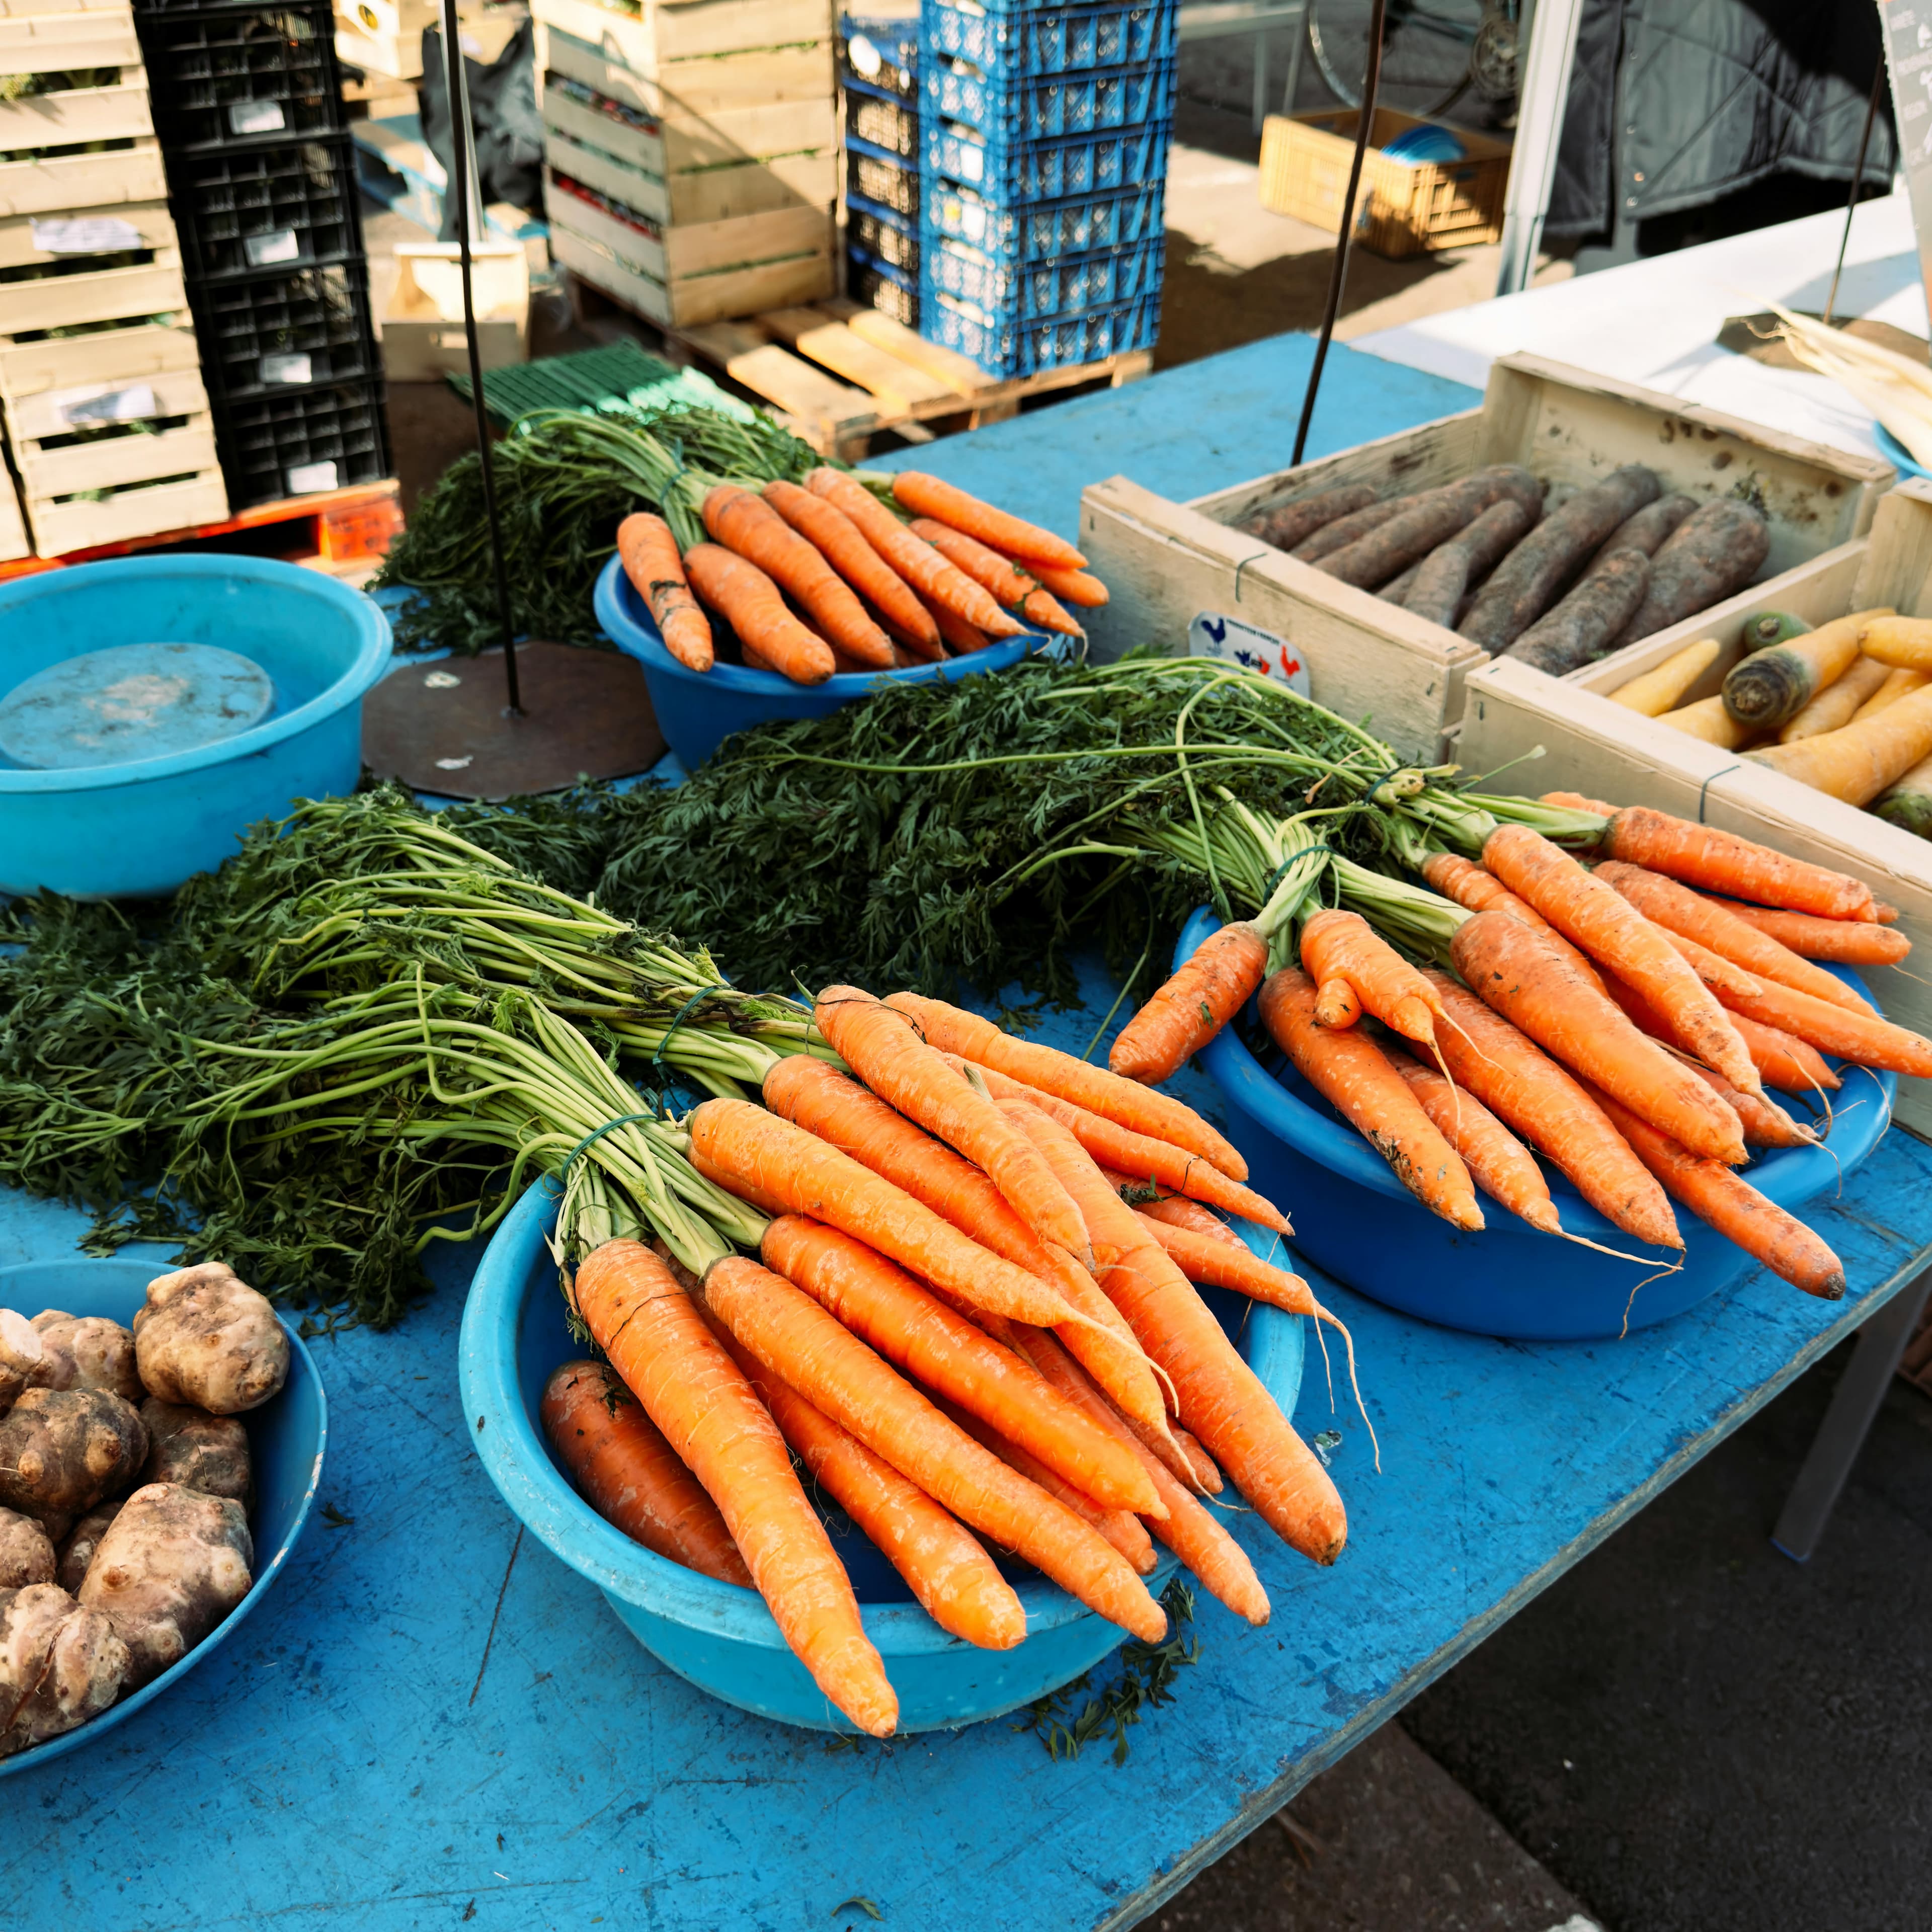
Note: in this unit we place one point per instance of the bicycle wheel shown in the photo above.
(1426, 48)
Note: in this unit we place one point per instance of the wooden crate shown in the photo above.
(112, 113)
(394, 17)
(28, 369)
(688, 90)
(47, 43)
(130, 295)
(138, 511)
(395, 57)
(724, 140)
(1589, 745)
(48, 184)
(1164, 562)
(1400, 209)
(650, 41)
(717, 194)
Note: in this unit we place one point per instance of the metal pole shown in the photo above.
(469, 216)
(1539, 127)
(1372, 76)
(1857, 182)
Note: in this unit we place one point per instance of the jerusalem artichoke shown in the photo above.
(208, 1339)
(65, 1449)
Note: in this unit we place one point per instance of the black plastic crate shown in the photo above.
(881, 120)
(259, 211)
(891, 238)
(882, 53)
(888, 180)
(265, 75)
(307, 441)
(308, 330)
(877, 284)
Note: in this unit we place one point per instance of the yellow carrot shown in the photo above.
(1654, 692)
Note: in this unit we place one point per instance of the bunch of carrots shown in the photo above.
(835, 575)
(1623, 1019)
(972, 1318)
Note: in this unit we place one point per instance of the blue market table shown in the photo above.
(432, 1722)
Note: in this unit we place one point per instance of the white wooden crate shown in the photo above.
(1164, 562)
(49, 184)
(649, 40)
(46, 43)
(114, 112)
(691, 90)
(1587, 744)
(141, 510)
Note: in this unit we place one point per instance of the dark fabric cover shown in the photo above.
(509, 142)
(1674, 103)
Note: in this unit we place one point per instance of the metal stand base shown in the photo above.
(1847, 1422)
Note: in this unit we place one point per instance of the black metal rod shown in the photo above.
(1338, 272)
(1858, 177)
(460, 162)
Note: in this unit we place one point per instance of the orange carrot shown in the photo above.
(1012, 585)
(1350, 1071)
(1080, 588)
(1861, 1038)
(920, 495)
(631, 1476)
(1589, 913)
(883, 1047)
(651, 562)
(657, 1341)
(1233, 1265)
(837, 1109)
(835, 1372)
(747, 524)
(1845, 942)
(1176, 1210)
(1766, 1122)
(1479, 891)
(912, 648)
(1188, 1529)
(916, 560)
(1512, 971)
(1782, 1062)
(1499, 1163)
(1719, 862)
(1186, 1011)
(961, 638)
(1336, 1004)
(1535, 1098)
(1125, 1532)
(957, 1584)
(1735, 1208)
(1124, 1102)
(1343, 946)
(1667, 903)
(921, 1336)
(782, 1168)
(839, 541)
(1575, 801)
(1221, 1400)
(1207, 1472)
(749, 600)
(1144, 1156)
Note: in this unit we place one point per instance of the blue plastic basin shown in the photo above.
(286, 1438)
(697, 711)
(722, 1638)
(1895, 453)
(1354, 1218)
(138, 830)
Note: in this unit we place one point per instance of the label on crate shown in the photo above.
(104, 403)
(85, 234)
(256, 117)
(283, 245)
(292, 367)
(1212, 635)
(866, 59)
(305, 479)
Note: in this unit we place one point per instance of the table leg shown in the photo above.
(1848, 1421)
(1294, 62)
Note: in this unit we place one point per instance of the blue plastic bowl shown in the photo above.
(697, 711)
(717, 1636)
(1896, 454)
(138, 830)
(286, 1438)
(1354, 1218)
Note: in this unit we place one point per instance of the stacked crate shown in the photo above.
(690, 153)
(107, 421)
(382, 39)
(879, 98)
(262, 179)
(1041, 218)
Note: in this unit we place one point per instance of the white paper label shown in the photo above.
(972, 162)
(85, 234)
(283, 245)
(865, 59)
(104, 403)
(289, 368)
(304, 478)
(256, 117)
(1212, 635)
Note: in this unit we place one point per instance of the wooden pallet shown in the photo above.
(344, 532)
(840, 373)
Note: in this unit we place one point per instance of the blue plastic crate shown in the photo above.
(1051, 41)
(882, 52)
(999, 290)
(1039, 231)
(1008, 109)
(1018, 171)
(1023, 348)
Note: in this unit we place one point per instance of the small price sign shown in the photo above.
(1212, 635)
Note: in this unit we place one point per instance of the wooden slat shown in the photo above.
(153, 225)
(177, 392)
(780, 376)
(114, 461)
(962, 377)
(59, 528)
(29, 369)
(66, 184)
(80, 114)
(62, 43)
(113, 295)
(897, 384)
